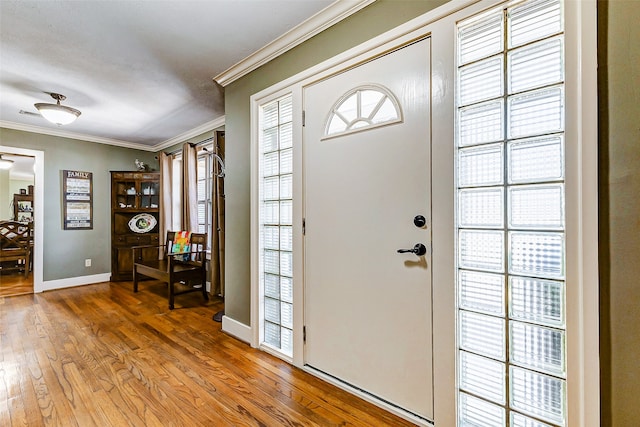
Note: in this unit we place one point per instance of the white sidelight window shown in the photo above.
(275, 211)
(512, 355)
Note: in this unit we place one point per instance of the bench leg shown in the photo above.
(135, 280)
(205, 294)
(171, 295)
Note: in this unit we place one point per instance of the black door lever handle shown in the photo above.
(419, 249)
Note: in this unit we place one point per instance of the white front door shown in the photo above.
(368, 308)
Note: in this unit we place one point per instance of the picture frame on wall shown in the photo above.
(77, 200)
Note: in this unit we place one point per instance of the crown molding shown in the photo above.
(332, 14)
(73, 135)
(22, 176)
(211, 125)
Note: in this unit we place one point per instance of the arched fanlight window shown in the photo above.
(362, 108)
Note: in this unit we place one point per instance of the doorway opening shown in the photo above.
(17, 182)
(29, 214)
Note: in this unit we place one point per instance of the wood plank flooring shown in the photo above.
(100, 355)
(15, 283)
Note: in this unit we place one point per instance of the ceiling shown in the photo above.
(22, 168)
(141, 72)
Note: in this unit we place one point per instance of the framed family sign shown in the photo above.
(77, 193)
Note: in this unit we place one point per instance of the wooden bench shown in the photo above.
(183, 272)
(16, 243)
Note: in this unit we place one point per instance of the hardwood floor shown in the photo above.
(100, 355)
(15, 283)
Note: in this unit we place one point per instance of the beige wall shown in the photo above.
(619, 93)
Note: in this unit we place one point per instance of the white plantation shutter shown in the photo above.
(511, 217)
(205, 192)
(276, 230)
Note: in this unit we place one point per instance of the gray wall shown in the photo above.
(66, 250)
(619, 74)
(619, 105)
(373, 20)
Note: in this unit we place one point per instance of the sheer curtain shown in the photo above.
(189, 188)
(166, 172)
(178, 179)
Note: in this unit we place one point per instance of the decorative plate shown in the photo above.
(142, 223)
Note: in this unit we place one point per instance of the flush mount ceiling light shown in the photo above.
(56, 113)
(5, 163)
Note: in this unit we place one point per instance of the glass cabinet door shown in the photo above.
(125, 194)
(149, 195)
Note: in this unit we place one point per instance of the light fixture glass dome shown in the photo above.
(5, 163)
(56, 113)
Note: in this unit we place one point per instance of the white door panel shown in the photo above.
(367, 307)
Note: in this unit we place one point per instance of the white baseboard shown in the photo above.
(50, 285)
(236, 329)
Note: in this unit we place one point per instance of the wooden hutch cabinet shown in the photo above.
(135, 215)
(23, 207)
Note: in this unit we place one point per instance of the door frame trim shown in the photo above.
(583, 345)
(38, 214)
(582, 196)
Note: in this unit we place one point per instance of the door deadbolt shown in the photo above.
(419, 221)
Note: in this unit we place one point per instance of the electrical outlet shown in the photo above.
(87, 262)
